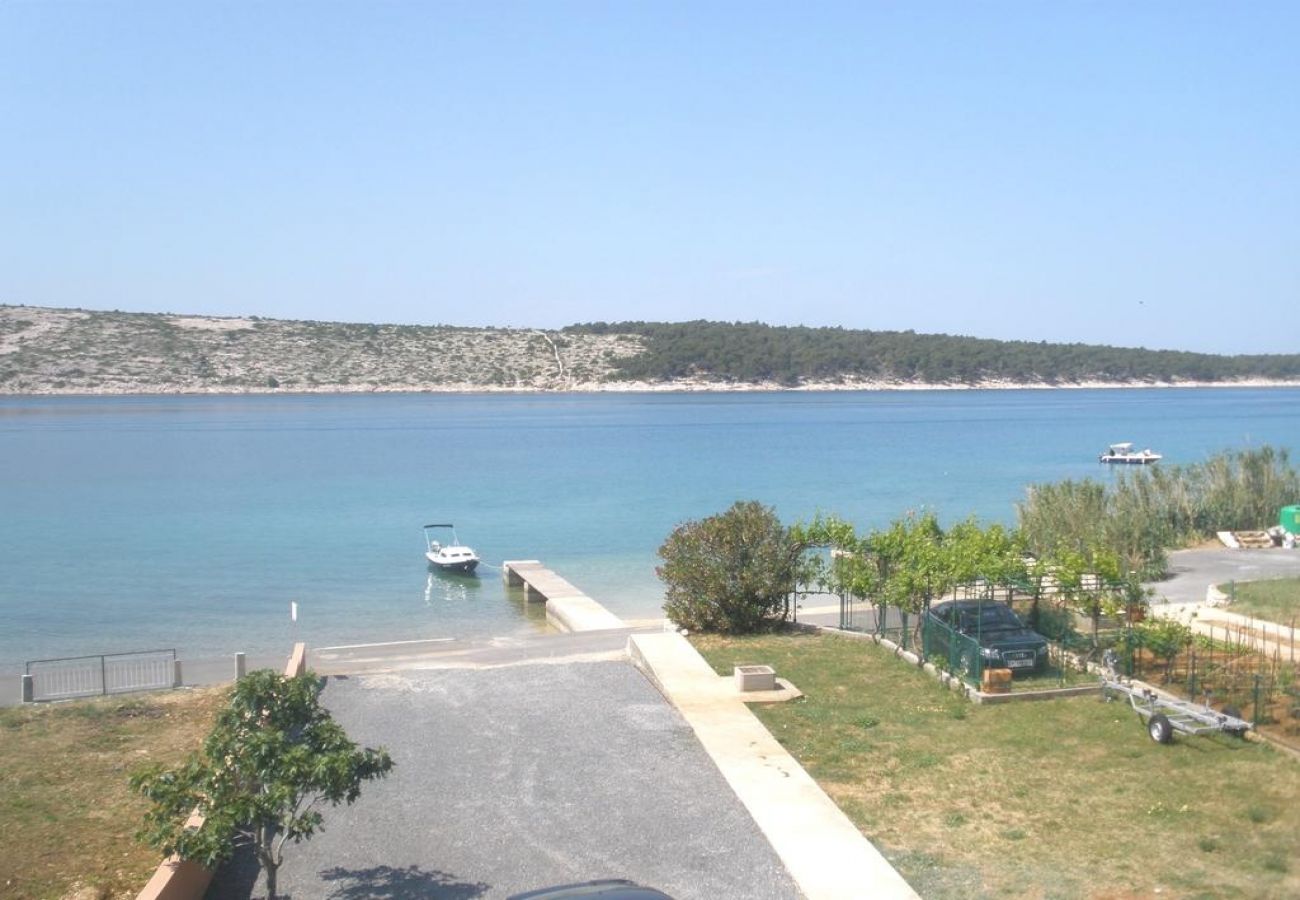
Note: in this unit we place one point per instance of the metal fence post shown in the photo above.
(177, 678)
(1257, 698)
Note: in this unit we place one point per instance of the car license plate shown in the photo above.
(1020, 664)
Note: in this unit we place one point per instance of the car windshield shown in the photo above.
(988, 618)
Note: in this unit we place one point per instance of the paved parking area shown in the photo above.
(522, 776)
(1192, 571)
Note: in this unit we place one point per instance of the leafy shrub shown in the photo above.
(732, 572)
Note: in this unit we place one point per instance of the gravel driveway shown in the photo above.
(524, 776)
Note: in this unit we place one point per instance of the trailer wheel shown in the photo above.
(1236, 714)
(1160, 729)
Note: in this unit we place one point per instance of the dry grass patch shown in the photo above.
(67, 816)
(1065, 798)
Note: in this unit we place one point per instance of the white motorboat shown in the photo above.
(452, 556)
(1124, 454)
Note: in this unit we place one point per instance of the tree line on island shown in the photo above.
(791, 355)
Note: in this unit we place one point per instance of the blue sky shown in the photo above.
(1120, 173)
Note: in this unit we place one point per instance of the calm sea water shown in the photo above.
(192, 522)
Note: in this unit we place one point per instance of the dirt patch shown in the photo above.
(202, 323)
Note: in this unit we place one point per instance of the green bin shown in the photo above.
(1289, 519)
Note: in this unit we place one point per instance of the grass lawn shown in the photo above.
(1277, 600)
(1062, 798)
(67, 815)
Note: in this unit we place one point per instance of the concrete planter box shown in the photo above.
(755, 678)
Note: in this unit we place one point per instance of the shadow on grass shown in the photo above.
(389, 883)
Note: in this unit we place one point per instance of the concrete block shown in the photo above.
(29, 689)
(755, 678)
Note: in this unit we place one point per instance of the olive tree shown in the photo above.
(732, 572)
(272, 759)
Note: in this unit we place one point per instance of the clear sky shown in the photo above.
(1120, 173)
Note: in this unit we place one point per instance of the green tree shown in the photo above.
(273, 757)
(911, 563)
(732, 572)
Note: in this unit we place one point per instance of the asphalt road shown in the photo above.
(1192, 571)
(516, 777)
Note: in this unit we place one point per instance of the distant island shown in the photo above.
(75, 351)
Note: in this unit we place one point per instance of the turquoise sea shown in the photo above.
(132, 523)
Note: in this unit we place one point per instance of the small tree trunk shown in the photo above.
(266, 856)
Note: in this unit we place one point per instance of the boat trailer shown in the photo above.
(1165, 715)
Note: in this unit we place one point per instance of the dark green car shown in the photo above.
(1003, 640)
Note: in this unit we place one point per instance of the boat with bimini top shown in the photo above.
(452, 556)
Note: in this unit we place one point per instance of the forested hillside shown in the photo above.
(747, 352)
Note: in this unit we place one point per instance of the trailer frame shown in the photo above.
(1164, 715)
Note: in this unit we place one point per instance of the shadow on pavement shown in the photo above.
(236, 877)
(388, 883)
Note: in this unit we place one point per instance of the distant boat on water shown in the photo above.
(1124, 454)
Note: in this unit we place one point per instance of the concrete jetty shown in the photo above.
(567, 608)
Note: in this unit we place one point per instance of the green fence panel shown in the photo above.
(952, 651)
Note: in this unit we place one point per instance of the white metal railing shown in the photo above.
(111, 673)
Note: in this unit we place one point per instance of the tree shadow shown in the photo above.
(389, 883)
(236, 877)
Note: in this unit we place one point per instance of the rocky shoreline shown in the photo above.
(635, 387)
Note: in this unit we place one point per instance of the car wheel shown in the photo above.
(1160, 729)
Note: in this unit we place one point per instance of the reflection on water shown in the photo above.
(443, 586)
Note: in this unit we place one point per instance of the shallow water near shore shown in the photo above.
(134, 523)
